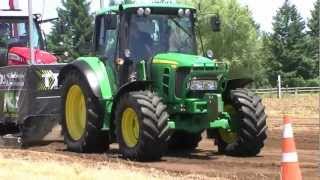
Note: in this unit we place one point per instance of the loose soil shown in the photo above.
(204, 162)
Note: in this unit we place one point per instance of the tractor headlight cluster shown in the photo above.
(142, 11)
(186, 12)
(203, 85)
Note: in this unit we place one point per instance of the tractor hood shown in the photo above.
(183, 60)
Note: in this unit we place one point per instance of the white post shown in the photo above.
(101, 3)
(16, 4)
(30, 31)
(279, 87)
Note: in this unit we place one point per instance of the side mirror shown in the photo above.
(111, 21)
(215, 23)
(209, 54)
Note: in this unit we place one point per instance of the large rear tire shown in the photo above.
(249, 118)
(82, 116)
(181, 140)
(141, 126)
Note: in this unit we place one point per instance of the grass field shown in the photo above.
(25, 169)
(302, 108)
(298, 106)
(40, 165)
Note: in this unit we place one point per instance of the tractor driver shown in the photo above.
(140, 41)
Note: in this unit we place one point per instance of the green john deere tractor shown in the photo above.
(148, 90)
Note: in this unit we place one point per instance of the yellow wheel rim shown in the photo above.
(228, 136)
(75, 112)
(130, 127)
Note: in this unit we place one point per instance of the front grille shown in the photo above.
(181, 74)
(165, 81)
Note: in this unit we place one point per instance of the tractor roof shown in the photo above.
(13, 13)
(137, 5)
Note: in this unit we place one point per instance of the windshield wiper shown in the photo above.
(181, 27)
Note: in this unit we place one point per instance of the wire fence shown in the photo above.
(291, 90)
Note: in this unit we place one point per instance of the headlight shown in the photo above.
(14, 57)
(203, 85)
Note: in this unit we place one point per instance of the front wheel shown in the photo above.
(141, 126)
(248, 119)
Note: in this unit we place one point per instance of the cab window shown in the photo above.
(107, 37)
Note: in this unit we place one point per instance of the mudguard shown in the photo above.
(100, 80)
(132, 86)
(237, 83)
(234, 84)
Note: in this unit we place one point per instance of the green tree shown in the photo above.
(73, 31)
(287, 48)
(238, 41)
(313, 23)
(314, 39)
(114, 2)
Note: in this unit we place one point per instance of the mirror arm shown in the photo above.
(199, 29)
(201, 42)
(45, 40)
(48, 20)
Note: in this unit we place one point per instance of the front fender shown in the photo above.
(237, 83)
(133, 86)
(232, 84)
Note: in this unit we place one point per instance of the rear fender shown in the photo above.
(95, 72)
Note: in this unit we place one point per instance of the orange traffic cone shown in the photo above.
(290, 169)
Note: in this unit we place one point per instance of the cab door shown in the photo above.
(106, 40)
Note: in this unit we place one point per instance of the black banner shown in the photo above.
(29, 91)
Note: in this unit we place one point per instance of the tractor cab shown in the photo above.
(161, 32)
(15, 41)
(126, 38)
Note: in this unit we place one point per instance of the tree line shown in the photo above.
(290, 50)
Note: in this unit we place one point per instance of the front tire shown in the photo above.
(82, 116)
(249, 118)
(141, 126)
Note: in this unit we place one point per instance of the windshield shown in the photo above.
(153, 34)
(17, 32)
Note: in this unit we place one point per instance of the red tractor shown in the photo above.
(15, 41)
(25, 86)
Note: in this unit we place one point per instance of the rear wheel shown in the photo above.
(81, 116)
(182, 140)
(141, 126)
(248, 119)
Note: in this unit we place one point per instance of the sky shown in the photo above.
(262, 10)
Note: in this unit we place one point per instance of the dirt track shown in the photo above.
(205, 160)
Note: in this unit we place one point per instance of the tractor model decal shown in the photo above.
(49, 80)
